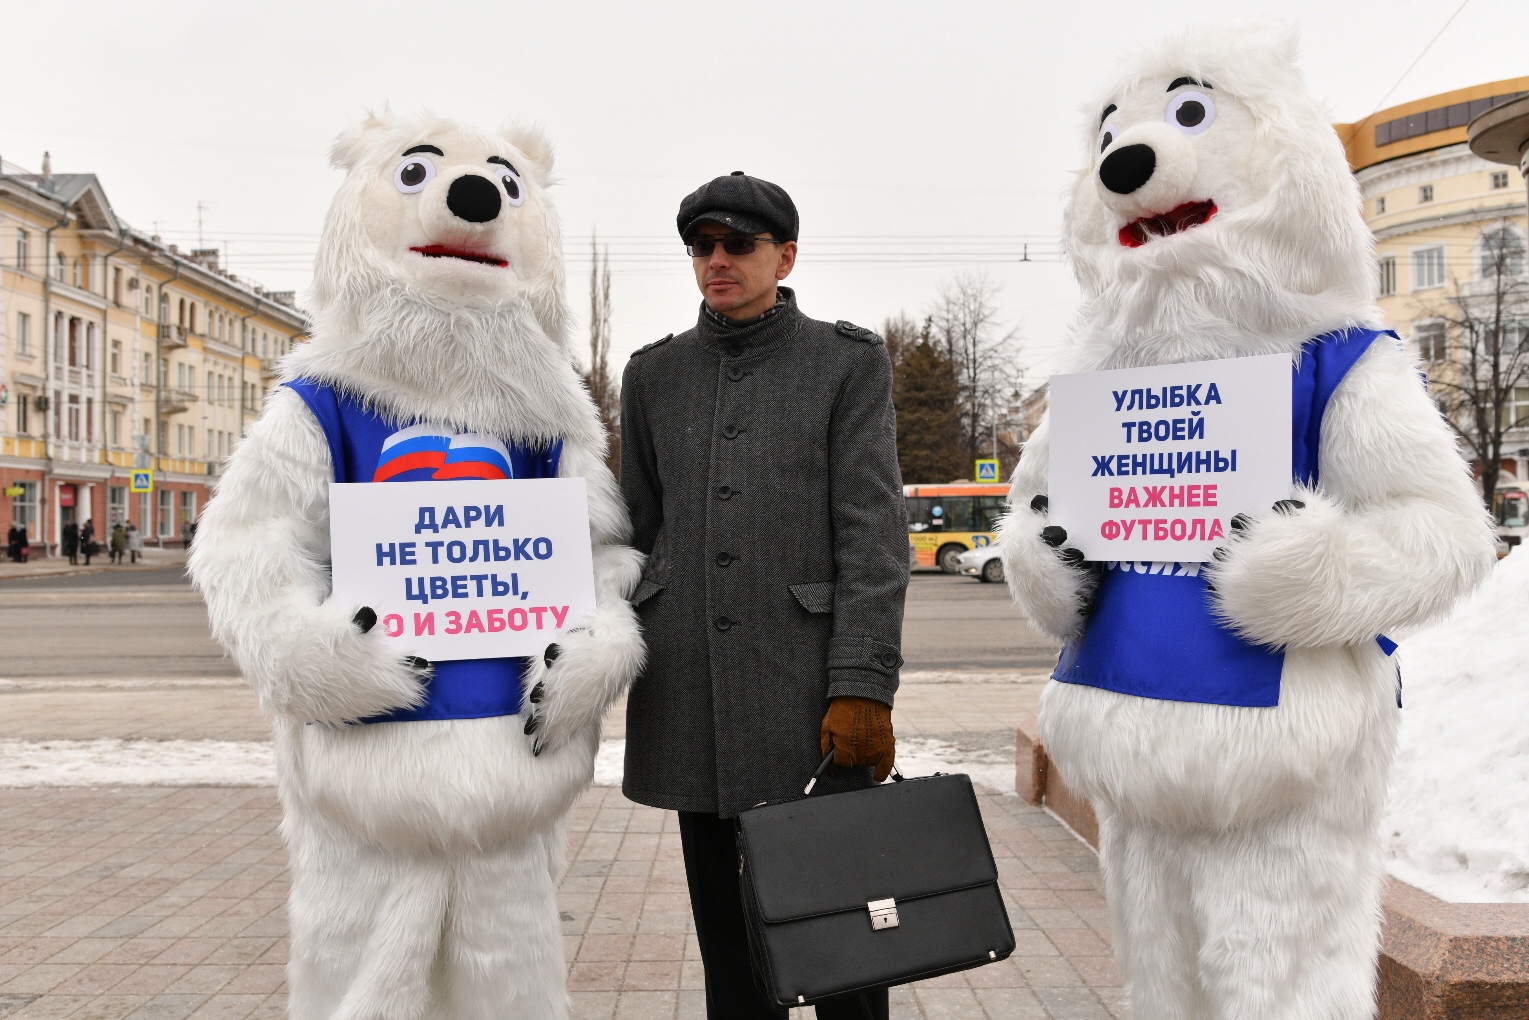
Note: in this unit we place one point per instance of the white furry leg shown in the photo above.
(503, 951)
(365, 925)
(1290, 919)
(1154, 931)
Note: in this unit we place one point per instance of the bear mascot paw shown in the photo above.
(1233, 722)
(425, 829)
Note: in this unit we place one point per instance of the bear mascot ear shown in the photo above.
(350, 148)
(532, 140)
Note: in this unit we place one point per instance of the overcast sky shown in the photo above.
(919, 140)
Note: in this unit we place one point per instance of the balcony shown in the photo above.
(174, 400)
(171, 336)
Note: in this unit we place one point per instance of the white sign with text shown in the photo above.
(468, 569)
(1153, 463)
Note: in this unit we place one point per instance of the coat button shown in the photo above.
(731, 431)
(735, 373)
(733, 350)
(724, 492)
(889, 659)
(723, 623)
(724, 559)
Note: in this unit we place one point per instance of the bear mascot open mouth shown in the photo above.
(1232, 721)
(423, 801)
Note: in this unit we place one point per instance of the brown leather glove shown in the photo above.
(860, 732)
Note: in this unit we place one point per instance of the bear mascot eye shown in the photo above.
(511, 181)
(1191, 112)
(1107, 135)
(413, 174)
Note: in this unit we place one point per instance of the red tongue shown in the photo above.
(1174, 221)
(441, 251)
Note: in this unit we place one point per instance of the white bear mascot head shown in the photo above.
(1216, 201)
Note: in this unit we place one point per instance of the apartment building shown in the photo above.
(1445, 222)
(119, 352)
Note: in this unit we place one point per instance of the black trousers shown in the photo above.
(732, 993)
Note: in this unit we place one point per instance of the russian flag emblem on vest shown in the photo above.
(422, 453)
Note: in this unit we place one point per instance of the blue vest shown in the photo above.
(1154, 634)
(366, 447)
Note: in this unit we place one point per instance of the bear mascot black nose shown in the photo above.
(473, 198)
(1123, 171)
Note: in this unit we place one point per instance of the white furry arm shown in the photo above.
(1393, 535)
(261, 561)
(596, 661)
(1050, 592)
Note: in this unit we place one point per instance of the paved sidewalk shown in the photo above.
(162, 904)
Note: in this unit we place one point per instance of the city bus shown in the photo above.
(945, 521)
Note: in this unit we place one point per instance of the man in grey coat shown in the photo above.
(759, 462)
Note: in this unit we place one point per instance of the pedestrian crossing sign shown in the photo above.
(141, 481)
(987, 470)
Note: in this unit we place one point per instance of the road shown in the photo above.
(149, 623)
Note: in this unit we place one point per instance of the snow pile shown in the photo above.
(137, 763)
(1457, 824)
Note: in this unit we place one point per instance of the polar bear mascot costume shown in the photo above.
(423, 804)
(1216, 217)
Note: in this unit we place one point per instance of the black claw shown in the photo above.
(1242, 522)
(1219, 553)
(1071, 557)
(537, 693)
(531, 725)
(365, 618)
(1040, 504)
(416, 663)
(536, 749)
(1053, 535)
(551, 654)
(1288, 506)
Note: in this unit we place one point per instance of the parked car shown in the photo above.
(982, 563)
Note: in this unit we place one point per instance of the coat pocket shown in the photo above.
(646, 590)
(815, 596)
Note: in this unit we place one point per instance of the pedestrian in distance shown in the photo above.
(134, 542)
(88, 545)
(118, 542)
(69, 542)
(16, 543)
(759, 462)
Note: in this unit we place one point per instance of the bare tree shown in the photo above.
(964, 320)
(1483, 389)
(602, 385)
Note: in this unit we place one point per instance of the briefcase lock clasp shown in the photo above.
(883, 914)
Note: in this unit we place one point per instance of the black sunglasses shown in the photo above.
(702, 245)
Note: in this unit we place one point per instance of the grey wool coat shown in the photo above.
(760, 468)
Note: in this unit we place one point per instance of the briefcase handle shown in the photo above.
(828, 759)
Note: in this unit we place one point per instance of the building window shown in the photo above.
(1425, 193)
(1432, 341)
(23, 409)
(1501, 251)
(166, 513)
(116, 358)
(188, 509)
(1515, 412)
(90, 419)
(59, 263)
(116, 505)
(24, 507)
(23, 333)
(23, 250)
(162, 438)
(1428, 268)
(116, 286)
(1499, 179)
(74, 417)
(1388, 276)
(145, 513)
(1380, 206)
(116, 428)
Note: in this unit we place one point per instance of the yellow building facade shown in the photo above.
(119, 353)
(1443, 220)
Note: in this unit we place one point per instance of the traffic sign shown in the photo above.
(987, 470)
(141, 481)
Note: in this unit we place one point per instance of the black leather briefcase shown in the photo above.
(876, 887)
